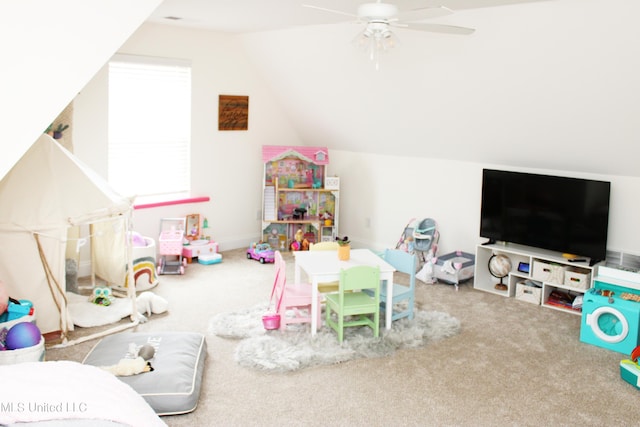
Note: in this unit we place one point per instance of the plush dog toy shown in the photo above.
(148, 302)
(133, 365)
(127, 367)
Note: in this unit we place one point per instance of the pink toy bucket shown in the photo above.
(271, 321)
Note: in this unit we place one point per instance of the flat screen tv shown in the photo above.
(568, 215)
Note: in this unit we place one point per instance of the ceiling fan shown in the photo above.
(380, 17)
(390, 15)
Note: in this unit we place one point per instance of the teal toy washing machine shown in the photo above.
(610, 318)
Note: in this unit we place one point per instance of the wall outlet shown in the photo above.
(367, 222)
(258, 214)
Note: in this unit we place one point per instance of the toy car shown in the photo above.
(261, 252)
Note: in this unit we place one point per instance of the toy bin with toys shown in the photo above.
(629, 369)
(20, 338)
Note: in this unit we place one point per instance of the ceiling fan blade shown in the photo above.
(339, 12)
(437, 28)
(414, 15)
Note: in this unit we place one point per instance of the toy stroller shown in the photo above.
(421, 237)
(170, 245)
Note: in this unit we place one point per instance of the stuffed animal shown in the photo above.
(128, 367)
(148, 303)
(102, 296)
(137, 363)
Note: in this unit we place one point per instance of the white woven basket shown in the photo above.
(28, 354)
(27, 318)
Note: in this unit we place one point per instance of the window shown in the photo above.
(149, 126)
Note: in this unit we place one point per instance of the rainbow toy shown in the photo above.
(143, 266)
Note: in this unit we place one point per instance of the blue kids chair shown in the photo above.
(407, 263)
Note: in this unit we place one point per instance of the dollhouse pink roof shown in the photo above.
(316, 155)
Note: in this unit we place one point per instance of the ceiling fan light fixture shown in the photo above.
(378, 18)
(375, 39)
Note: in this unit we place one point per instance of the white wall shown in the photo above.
(390, 190)
(384, 191)
(549, 84)
(226, 166)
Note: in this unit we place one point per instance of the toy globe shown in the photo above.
(23, 335)
(499, 267)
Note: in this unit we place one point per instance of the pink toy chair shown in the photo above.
(294, 301)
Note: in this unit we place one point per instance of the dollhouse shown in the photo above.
(298, 196)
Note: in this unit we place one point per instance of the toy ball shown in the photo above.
(146, 352)
(23, 335)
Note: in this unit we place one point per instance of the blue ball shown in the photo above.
(23, 335)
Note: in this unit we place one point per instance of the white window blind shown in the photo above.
(149, 126)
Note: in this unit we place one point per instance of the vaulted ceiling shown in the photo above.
(243, 16)
(548, 84)
(540, 84)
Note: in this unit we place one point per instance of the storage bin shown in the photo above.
(529, 294)
(144, 261)
(28, 354)
(577, 279)
(548, 272)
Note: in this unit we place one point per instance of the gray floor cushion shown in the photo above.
(174, 385)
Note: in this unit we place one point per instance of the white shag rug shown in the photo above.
(296, 349)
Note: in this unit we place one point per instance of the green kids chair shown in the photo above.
(353, 303)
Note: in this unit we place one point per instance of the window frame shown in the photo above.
(141, 150)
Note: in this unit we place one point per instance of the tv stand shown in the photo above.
(554, 274)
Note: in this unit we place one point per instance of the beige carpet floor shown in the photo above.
(513, 364)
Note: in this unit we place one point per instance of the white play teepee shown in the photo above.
(48, 191)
